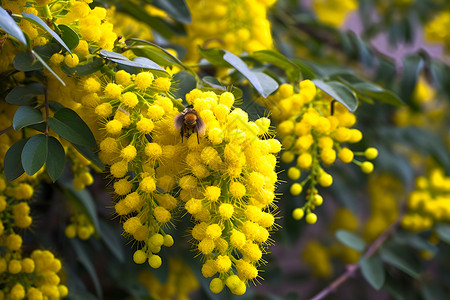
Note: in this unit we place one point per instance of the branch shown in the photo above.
(6, 130)
(351, 269)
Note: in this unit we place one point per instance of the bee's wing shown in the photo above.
(201, 126)
(178, 121)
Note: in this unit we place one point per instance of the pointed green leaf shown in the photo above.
(71, 127)
(178, 9)
(112, 55)
(263, 83)
(400, 257)
(443, 230)
(111, 238)
(25, 95)
(10, 26)
(189, 83)
(47, 66)
(339, 92)
(35, 19)
(83, 201)
(373, 271)
(351, 240)
(214, 56)
(34, 153)
(90, 155)
(168, 56)
(69, 36)
(26, 116)
(56, 161)
(268, 84)
(13, 160)
(85, 260)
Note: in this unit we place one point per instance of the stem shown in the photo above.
(6, 130)
(47, 112)
(351, 269)
(47, 12)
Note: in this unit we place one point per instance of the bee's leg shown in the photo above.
(196, 131)
(182, 133)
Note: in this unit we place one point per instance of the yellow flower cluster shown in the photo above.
(129, 110)
(180, 282)
(229, 189)
(333, 12)
(313, 128)
(36, 276)
(437, 29)
(236, 26)
(429, 203)
(80, 226)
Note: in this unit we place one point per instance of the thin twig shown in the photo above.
(6, 130)
(351, 269)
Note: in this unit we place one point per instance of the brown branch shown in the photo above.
(6, 130)
(351, 269)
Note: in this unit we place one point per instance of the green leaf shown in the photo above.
(71, 127)
(339, 92)
(400, 257)
(263, 83)
(56, 161)
(188, 84)
(111, 238)
(13, 160)
(443, 230)
(83, 201)
(213, 82)
(26, 116)
(69, 36)
(165, 29)
(25, 95)
(34, 153)
(178, 9)
(24, 62)
(84, 68)
(35, 19)
(138, 62)
(10, 26)
(84, 259)
(112, 55)
(268, 84)
(214, 56)
(412, 65)
(90, 155)
(47, 66)
(373, 272)
(433, 291)
(165, 55)
(292, 70)
(350, 239)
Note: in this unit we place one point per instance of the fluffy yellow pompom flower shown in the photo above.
(144, 80)
(113, 90)
(212, 193)
(71, 61)
(162, 84)
(145, 125)
(129, 99)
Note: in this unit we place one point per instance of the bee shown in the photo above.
(188, 122)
